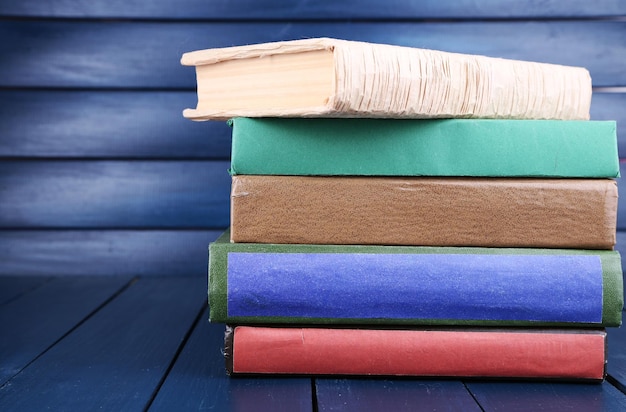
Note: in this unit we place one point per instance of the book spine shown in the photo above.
(550, 213)
(325, 284)
(512, 353)
(450, 147)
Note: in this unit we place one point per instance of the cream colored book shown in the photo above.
(325, 77)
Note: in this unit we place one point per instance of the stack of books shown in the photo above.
(398, 211)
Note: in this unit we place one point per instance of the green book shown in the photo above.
(445, 147)
(413, 285)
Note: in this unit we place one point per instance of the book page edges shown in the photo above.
(473, 86)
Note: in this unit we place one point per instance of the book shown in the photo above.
(469, 353)
(325, 77)
(253, 283)
(425, 211)
(443, 147)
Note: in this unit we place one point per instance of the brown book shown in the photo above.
(425, 211)
(337, 78)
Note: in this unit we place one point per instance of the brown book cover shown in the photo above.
(425, 211)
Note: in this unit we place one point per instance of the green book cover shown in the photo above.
(412, 285)
(445, 147)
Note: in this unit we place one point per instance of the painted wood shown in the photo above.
(105, 252)
(117, 359)
(13, 287)
(104, 124)
(393, 395)
(135, 55)
(198, 381)
(114, 194)
(545, 396)
(37, 320)
(146, 124)
(616, 364)
(327, 9)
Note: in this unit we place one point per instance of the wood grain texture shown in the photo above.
(38, 319)
(540, 396)
(115, 360)
(114, 194)
(393, 395)
(146, 54)
(198, 381)
(12, 287)
(105, 252)
(105, 124)
(326, 9)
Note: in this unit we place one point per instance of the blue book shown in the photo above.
(413, 285)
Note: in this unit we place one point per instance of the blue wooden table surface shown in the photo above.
(109, 197)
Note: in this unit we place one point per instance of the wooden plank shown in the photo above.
(393, 395)
(114, 194)
(37, 320)
(282, 9)
(12, 287)
(105, 253)
(616, 364)
(545, 396)
(140, 124)
(198, 381)
(116, 359)
(146, 54)
(61, 123)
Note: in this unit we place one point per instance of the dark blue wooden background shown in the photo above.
(101, 175)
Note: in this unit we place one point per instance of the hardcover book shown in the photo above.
(384, 285)
(337, 78)
(470, 353)
(425, 211)
(445, 147)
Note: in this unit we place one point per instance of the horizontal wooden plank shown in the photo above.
(198, 381)
(282, 9)
(38, 319)
(145, 124)
(546, 396)
(117, 358)
(146, 54)
(105, 253)
(114, 194)
(48, 123)
(393, 395)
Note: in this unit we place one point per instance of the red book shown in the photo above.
(486, 353)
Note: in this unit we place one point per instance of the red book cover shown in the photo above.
(496, 353)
